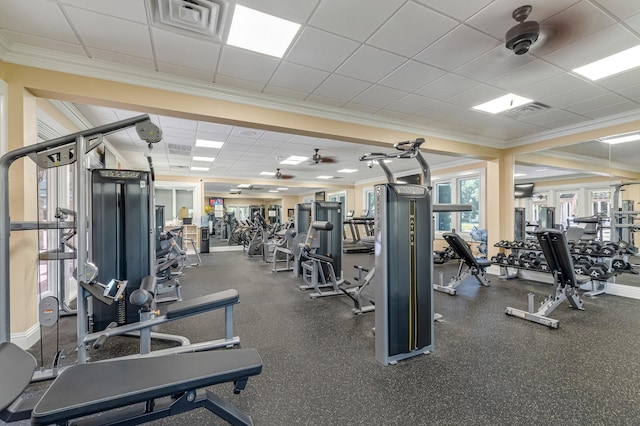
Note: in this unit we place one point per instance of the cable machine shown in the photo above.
(403, 261)
(69, 149)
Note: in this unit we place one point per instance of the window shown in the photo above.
(177, 202)
(369, 204)
(461, 190)
(539, 200)
(443, 196)
(568, 207)
(340, 197)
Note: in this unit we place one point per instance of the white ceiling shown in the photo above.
(420, 64)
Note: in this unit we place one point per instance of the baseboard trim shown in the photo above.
(623, 290)
(28, 338)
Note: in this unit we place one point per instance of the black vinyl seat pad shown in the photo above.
(86, 389)
(203, 303)
(462, 249)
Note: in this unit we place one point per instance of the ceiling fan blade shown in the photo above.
(329, 160)
(286, 177)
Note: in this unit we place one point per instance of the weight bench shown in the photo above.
(553, 244)
(142, 389)
(475, 267)
(144, 297)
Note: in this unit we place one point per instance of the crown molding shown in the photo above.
(5, 46)
(610, 121)
(21, 54)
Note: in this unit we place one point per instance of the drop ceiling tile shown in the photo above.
(407, 31)
(192, 73)
(336, 16)
(276, 136)
(293, 10)
(573, 96)
(246, 133)
(411, 104)
(179, 123)
(622, 81)
(496, 19)
(572, 24)
(411, 76)
(222, 129)
(238, 139)
(439, 110)
(378, 96)
(458, 10)
(131, 10)
(48, 22)
(246, 65)
(526, 75)
(391, 114)
(217, 137)
(454, 49)
(634, 22)
(611, 40)
(595, 103)
(340, 87)
(633, 93)
(226, 80)
(613, 109)
(566, 121)
(132, 61)
(325, 100)
(492, 64)
(476, 96)
(320, 49)
(297, 77)
(111, 34)
(360, 108)
(370, 64)
(414, 119)
(185, 51)
(43, 43)
(621, 8)
(447, 86)
(285, 93)
(551, 86)
(303, 140)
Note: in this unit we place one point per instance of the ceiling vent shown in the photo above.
(205, 18)
(179, 167)
(528, 109)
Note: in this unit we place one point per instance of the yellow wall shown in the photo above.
(27, 82)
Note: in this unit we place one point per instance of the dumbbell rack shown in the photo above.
(591, 263)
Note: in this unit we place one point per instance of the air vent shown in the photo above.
(179, 167)
(178, 149)
(205, 18)
(528, 109)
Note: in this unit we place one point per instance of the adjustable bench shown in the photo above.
(144, 296)
(475, 267)
(160, 386)
(553, 244)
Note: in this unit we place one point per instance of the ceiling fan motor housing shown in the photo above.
(524, 34)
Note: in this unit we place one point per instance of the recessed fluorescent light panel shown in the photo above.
(621, 139)
(261, 32)
(519, 174)
(503, 103)
(282, 189)
(324, 177)
(206, 159)
(621, 61)
(267, 173)
(244, 185)
(347, 171)
(273, 190)
(199, 169)
(203, 143)
(294, 160)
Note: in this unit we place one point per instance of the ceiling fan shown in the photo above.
(280, 175)
(551, 34)
(317, 158)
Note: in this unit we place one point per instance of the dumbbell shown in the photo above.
(577, 248)
(497, 258)
(544, 266)
(501, 243)
(582, 267)
(599, 271)
(592, 248)
(620, 265)
(609, 249)
(536, 260)
(514, 260)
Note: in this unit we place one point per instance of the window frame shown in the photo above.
(454, 181)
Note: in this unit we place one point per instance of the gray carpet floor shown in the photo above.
(486, 369)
